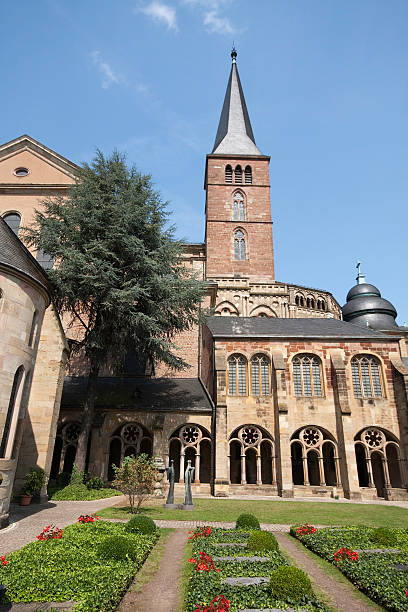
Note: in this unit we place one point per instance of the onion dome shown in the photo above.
(365, 306)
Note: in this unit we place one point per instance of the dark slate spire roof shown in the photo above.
(234, 134)
(365, 306)
(15, 255)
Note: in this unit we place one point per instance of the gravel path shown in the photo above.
(342, 596)
(162, 593)
(28, 521)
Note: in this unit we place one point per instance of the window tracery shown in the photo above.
(366, 376)
(191, 442)
(260, 369)
(239, 245)
(379, 462)
(251, 456)
(307, 376)
(314, 457)
(239, 207)
(237, 375)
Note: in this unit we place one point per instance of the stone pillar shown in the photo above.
(282, 433)
(221, 481)
(258, 468)
(197, 468)
(321, 472)
(243, 469)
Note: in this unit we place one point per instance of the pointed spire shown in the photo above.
(234, 134)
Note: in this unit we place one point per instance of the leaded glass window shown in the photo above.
(239, 245)
(237, 375)
(307, 376)
(366, 376)
(239, 207)
(13, 220)
(260, 375)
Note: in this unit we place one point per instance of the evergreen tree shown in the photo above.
(119, 274)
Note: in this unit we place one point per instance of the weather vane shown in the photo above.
(234, 53)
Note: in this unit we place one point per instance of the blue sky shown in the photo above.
(327, 91)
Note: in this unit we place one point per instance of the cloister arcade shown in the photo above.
(315, 459)
(251, 456)
(379, 463)
(191, 442)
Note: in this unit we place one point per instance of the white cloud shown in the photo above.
(109, 76)
(218, 25)
(162, 13)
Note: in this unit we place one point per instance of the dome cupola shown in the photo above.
(365, 306)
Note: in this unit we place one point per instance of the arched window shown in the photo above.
(11, 417)
(307, 376)
(315, 458)
(33, 329)
(45, 259)
(260, 375)
(128, 439)
(239, 207)
(238, 175)
(237, 375)
(13, 220)
(191, 442)
(251, 456)
(366, 375)
(248, 175)
(228, 174)
(239, 245)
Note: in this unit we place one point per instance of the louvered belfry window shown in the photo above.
(239, 207)
(307, 376)
(237, 375)
(260, 375)
(248, 175)
(366, 375)
(238, 175)
(239, 245)
(228, 174)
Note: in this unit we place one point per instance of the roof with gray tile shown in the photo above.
(266, 327)
(139, 394)
(15, 255)
(234, 134)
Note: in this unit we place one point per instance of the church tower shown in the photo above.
(238, 211)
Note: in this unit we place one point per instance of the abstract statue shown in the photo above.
(170, 477)
(188, 477)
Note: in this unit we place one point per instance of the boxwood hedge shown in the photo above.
(71, 569)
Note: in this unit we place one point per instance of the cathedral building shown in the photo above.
(287, 394)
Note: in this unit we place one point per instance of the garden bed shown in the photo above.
(374, 560)
(79, 492)
(72, 569)
(204, 586)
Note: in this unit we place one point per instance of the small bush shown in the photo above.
(262, 540)
(117, 548)
(81, 493)
(141, 524)
(63, 479)
(247, 521)
(384, 536)
(77, 477)
(290, 584)
(95, 483)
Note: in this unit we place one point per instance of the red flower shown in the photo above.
(344, 554)
(50, 533)
(204, 564)
(218, 604)
(3, 560)
(305, 529)
(200, 532)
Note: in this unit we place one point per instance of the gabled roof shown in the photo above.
(234, 134)
(16, 256)
(26, 142)
(266, 327)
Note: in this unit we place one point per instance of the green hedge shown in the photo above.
(373, 573)
(71, 568)
(80, 492)
(204, 586)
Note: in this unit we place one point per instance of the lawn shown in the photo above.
(285, 512)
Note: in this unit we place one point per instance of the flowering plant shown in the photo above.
(3, 560)
(345, 553)
(305, 529)
(218, 604)
(87, 518)
(50, 533)
(200, 532)
(204, 564)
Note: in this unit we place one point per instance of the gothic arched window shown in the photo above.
(228, 174)
(13, 220)
(239, 207)
(239, 245)
(237, 375)
(259, 375)
(366, 375)
(307, 376)
(238, 175)
(248, 175)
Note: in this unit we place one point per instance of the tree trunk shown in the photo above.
(87, 416)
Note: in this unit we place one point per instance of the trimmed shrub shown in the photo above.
(141, 524)
(262, 540)
(117, 548)
(81, 493)
(247, 521)
(384, 536)
(290, 584)
(95, 483)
